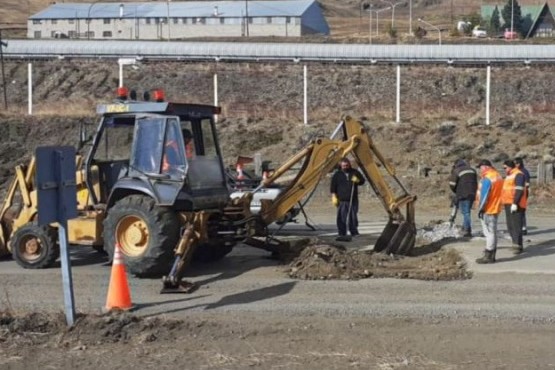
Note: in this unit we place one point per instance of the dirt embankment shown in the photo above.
(442, 115)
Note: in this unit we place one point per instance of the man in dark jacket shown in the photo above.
(464, 183)
(344, 193)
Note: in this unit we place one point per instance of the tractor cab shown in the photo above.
(167, 151)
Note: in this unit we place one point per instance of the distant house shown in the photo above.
(178, 20)
(538, 20)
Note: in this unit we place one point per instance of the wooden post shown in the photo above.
(541, 173)
(549, 173)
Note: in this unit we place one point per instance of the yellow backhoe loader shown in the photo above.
(153, 182)
(316, 160)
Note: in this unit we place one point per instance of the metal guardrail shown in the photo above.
(286, 52)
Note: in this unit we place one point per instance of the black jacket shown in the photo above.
(342, 185)
(463, 181)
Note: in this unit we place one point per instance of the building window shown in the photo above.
(287, 19)
(268, 19)
(54, 21)
(71, 34)
(202, 20)
(250, 20)
(184, 20)
(175, 20)
(147, 20)
(222, 20)
(194, 21)
(71, 21)
(37, 34)
(90, 34)
(157, 20)
(36, 21)
(107, 20)
(107, 34)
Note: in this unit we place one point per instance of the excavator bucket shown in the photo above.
(396, 238)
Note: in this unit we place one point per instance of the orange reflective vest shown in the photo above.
(189, 150)
(510, 188)
(493, 203)
(170, 145)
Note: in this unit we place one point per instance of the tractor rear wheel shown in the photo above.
(34, 246)
(146, 233)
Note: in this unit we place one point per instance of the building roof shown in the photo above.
(293, 8)
(532, 11)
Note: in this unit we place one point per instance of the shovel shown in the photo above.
(453, 215)
(348, 238)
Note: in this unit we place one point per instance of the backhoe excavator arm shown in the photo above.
(321, 156)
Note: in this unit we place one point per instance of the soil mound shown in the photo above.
(323, 262)
(50, 329)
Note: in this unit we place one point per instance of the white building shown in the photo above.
(178, 20)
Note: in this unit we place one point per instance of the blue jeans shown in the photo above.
(344, 218)
(465, 206)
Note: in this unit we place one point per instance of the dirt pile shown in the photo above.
(49, 329)
(323, 262)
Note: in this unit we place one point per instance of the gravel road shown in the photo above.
(248, 281)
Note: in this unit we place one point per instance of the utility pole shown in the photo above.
(3, 45)
(247, 17)
(168, 20)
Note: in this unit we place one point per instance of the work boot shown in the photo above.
(467, 233)
(517, 249)
(488, 257)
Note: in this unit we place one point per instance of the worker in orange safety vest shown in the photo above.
(489, 207)
(515, 199)
(171, 154)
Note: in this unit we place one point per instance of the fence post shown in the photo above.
(488, 85)
(549, 173)
(541, 173)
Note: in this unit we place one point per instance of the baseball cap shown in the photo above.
(484, 162)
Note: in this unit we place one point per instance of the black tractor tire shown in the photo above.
(211, 252)
(147, 235)
(34, 246)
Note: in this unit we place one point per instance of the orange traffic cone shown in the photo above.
(119, 295)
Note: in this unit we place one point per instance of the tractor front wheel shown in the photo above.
(34, 246)
(146, 233)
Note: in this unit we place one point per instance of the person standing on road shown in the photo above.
(514, 200)
(489, 207)
(344, 195)
(519, 162)
(464, 183)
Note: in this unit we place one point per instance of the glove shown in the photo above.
(481, 215)
(334, 200)
(514, 208)
(355, 179)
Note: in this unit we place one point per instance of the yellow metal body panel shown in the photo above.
(86, 229)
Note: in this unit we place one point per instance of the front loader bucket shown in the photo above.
(396, 238)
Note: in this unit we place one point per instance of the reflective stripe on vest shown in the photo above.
(510, 188)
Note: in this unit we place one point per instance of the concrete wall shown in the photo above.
(157, 28)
